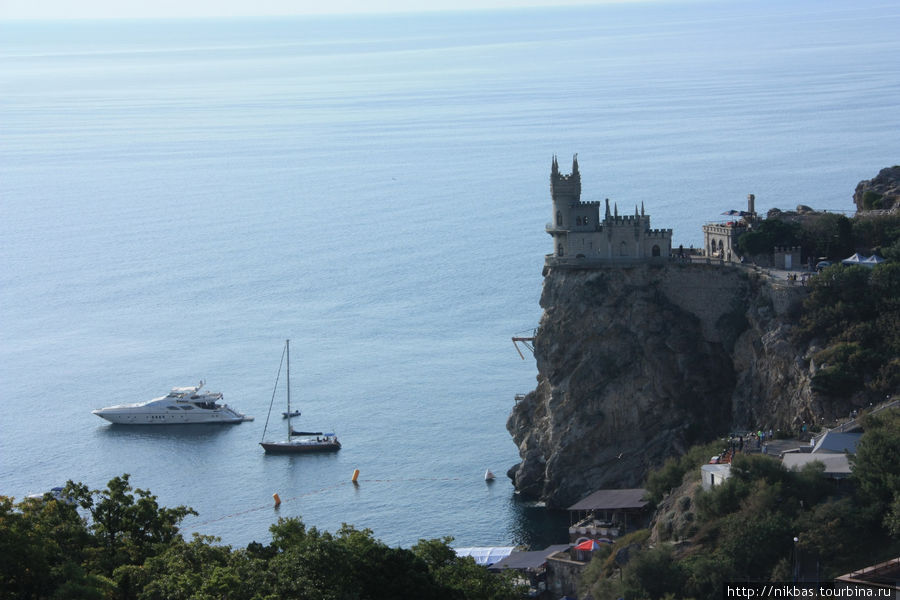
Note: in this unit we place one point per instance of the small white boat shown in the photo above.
(293, 413)
(488, 476)
(183, 405)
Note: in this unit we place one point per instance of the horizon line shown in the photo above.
(24, 16)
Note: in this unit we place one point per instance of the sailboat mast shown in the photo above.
(287, 344)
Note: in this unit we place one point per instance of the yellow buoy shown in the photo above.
(355, 475)
(277, 500)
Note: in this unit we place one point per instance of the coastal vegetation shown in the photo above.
(851, 316)
(765, 523)
(118, 543)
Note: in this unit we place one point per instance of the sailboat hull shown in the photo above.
(300, 446)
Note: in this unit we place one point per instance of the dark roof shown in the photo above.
(528, 560)
(612, 500)
(836, 442)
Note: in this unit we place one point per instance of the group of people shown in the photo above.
(758, 438)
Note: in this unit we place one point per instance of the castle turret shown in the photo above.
(565, 188)
(565, 191)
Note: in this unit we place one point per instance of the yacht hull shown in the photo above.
(157, 418)
(300, 447)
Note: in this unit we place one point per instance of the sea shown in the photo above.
(179, 197)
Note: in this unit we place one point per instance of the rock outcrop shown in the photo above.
(635, 364)
(880, 193)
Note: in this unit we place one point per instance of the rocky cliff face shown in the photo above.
(636, 364)
(881, 192)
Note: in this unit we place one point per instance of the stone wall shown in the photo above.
(563, 575)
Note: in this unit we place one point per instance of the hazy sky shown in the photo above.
(91, 9)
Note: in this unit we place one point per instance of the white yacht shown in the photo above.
(182, 405)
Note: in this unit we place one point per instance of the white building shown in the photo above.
(713, 475)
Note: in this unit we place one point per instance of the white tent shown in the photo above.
(873, 260)
(856, 259)
(486, 556)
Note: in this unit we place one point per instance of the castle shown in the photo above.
(579, 236)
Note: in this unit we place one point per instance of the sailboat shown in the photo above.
(297, 442)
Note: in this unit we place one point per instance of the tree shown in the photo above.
(768, 234)
(126, 530)
(464, 579)
(875, 468)
(42, 546)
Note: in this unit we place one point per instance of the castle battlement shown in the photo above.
(579, 233)
(659, 233)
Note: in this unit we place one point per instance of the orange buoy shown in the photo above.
(277, 500)
(355, 475)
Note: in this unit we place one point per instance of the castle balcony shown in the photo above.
(553, 229)
(726, 227)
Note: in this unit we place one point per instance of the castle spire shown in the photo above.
(642, 208)
(575, 164)
(635, 212)
(616, 209)
(607, 208)
(554, 168)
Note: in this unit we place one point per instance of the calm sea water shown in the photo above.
(179, 197)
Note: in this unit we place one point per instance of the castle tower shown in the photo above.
(565, 191)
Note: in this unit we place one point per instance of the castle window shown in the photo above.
(559, 251)
(655, 251)
(558, 218)
(578, 221)
(623, 249)
(585, 220)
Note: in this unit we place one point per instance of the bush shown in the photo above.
(671, 475)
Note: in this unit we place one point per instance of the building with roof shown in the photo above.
(837, 466)
(608, 514)
(712, 475)
(531, 567)
(720, 239)
(837, 442)
(883, 577)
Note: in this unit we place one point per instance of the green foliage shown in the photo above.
(768, 234)
(875, 469)
(854, 313)
(42, 546)
(130, 549)
(876, 233)
(130, 529)
(843, 367)
(827, 234)
(661, 481)
(461, 577)
(652, 574)
(748, 525)
(872, 200)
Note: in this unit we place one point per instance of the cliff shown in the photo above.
(635, 364)
(881, 192)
